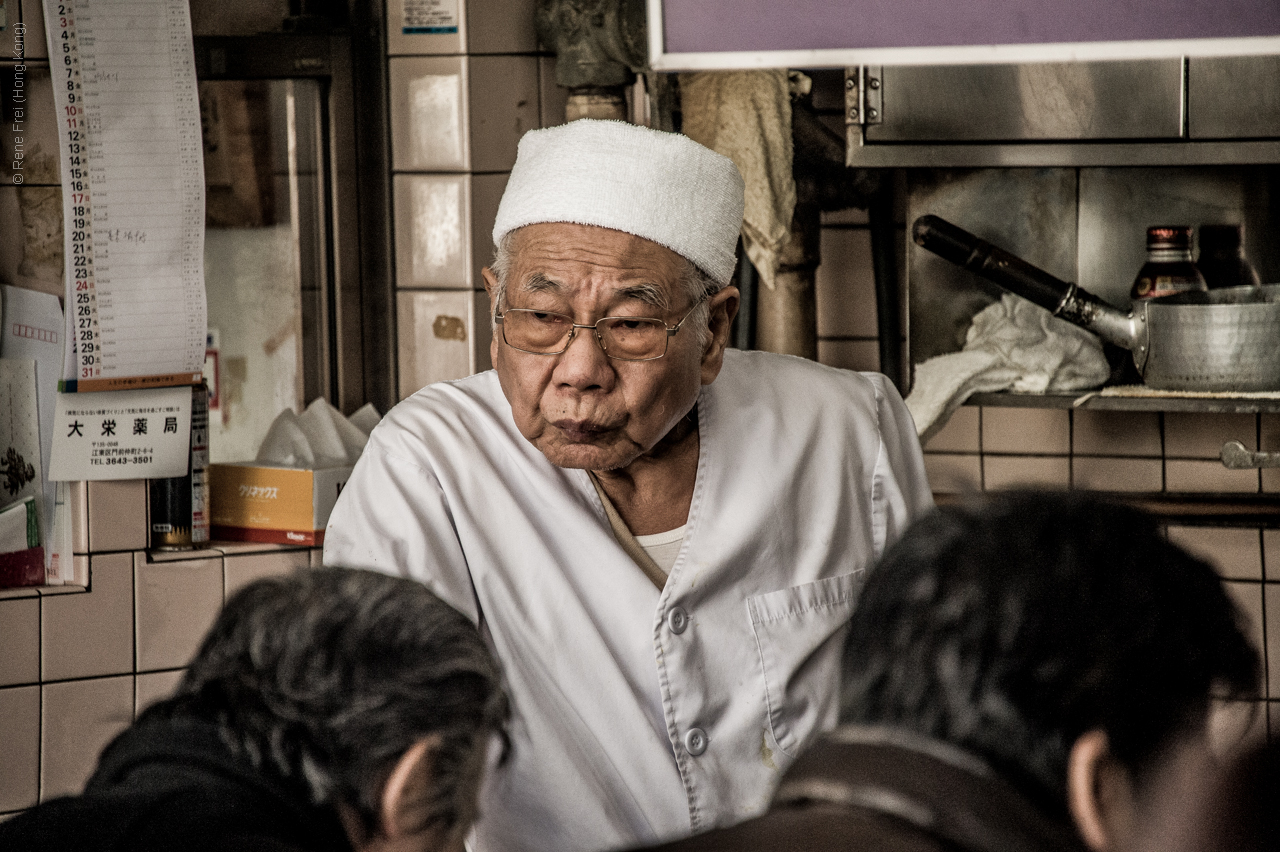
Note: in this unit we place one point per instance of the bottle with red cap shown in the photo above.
(1169, 267)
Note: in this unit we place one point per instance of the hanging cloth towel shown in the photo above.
(746, 116)
(1011, 345)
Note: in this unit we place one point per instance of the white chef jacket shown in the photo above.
(641, 714)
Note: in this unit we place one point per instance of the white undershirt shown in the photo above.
(663, 547)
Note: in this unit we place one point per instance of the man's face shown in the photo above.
(581, 408)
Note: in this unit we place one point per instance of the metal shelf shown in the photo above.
(1060, 154)
(1087, 399)
(1251, 511)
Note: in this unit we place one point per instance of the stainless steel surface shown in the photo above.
(1000, 155)
(1155, 112)
(1216, 404)
(1140, 99)
(1236, 456)
(1232, 97)
(1127, 330)
(864, 95)
(1221, 340)
(1030, 212)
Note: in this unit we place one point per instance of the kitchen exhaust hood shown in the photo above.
(1144, 112)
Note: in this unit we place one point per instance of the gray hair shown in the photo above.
(326, 678)
(695, 284)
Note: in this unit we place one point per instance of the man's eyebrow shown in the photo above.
(539, 283)
(650, 294)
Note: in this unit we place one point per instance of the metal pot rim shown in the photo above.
(1247, 295)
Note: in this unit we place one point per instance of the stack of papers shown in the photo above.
(21, 556)
(21, 483)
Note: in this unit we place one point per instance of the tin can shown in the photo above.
(180, 504)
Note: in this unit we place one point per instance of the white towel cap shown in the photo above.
(661, 186)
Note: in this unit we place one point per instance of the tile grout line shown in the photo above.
(40, 697)
(1164, 461)
(1264, 650)
(982, 455)
(1071, 450)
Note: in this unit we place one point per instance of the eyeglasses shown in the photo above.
(621, 338)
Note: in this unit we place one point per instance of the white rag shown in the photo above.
(1011, 345)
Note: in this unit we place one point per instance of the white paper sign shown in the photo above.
(430, 17)
(19, 432)
(133, 192)
(140, 434)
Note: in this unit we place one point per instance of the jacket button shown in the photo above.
(695, 741)
(677, 619)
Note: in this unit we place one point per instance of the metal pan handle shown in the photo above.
(1061, 298)
(998, 266)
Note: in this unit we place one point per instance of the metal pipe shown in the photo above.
(884, 261)
(748, 280)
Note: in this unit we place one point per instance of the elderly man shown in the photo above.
(662, 539)
(1027, 674)
(329, 711)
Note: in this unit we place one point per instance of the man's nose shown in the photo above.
(583, 364)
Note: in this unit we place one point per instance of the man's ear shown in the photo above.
(405, 795)
(491, 287)
(1100, 793)
(723, 307)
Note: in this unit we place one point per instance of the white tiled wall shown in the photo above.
(443, 334)
(174, 604)
(90, 635)
(77, 665)
(459, 105)
(77, 719)
(19, 747)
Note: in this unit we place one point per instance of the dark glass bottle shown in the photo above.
(1169, 268)
(1222, 261)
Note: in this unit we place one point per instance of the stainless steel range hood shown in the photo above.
(1167, 112)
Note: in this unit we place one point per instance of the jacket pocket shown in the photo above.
(800, 635)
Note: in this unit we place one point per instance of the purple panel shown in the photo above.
(711, 26)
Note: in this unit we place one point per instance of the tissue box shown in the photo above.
(281, 505)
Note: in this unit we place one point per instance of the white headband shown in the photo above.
(661, 186)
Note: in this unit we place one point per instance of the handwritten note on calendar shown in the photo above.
(132, 191)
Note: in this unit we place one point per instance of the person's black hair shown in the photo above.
(1013, 624)
(324, 678)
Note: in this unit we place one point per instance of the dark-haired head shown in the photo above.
(1016, 624)
(326, 679)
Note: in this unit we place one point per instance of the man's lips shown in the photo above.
(581, 430)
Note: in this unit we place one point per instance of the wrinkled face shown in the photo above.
(581, 408)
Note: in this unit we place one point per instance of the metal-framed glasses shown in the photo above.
(621, 338)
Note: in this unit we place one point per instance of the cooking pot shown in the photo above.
(1216, 340)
